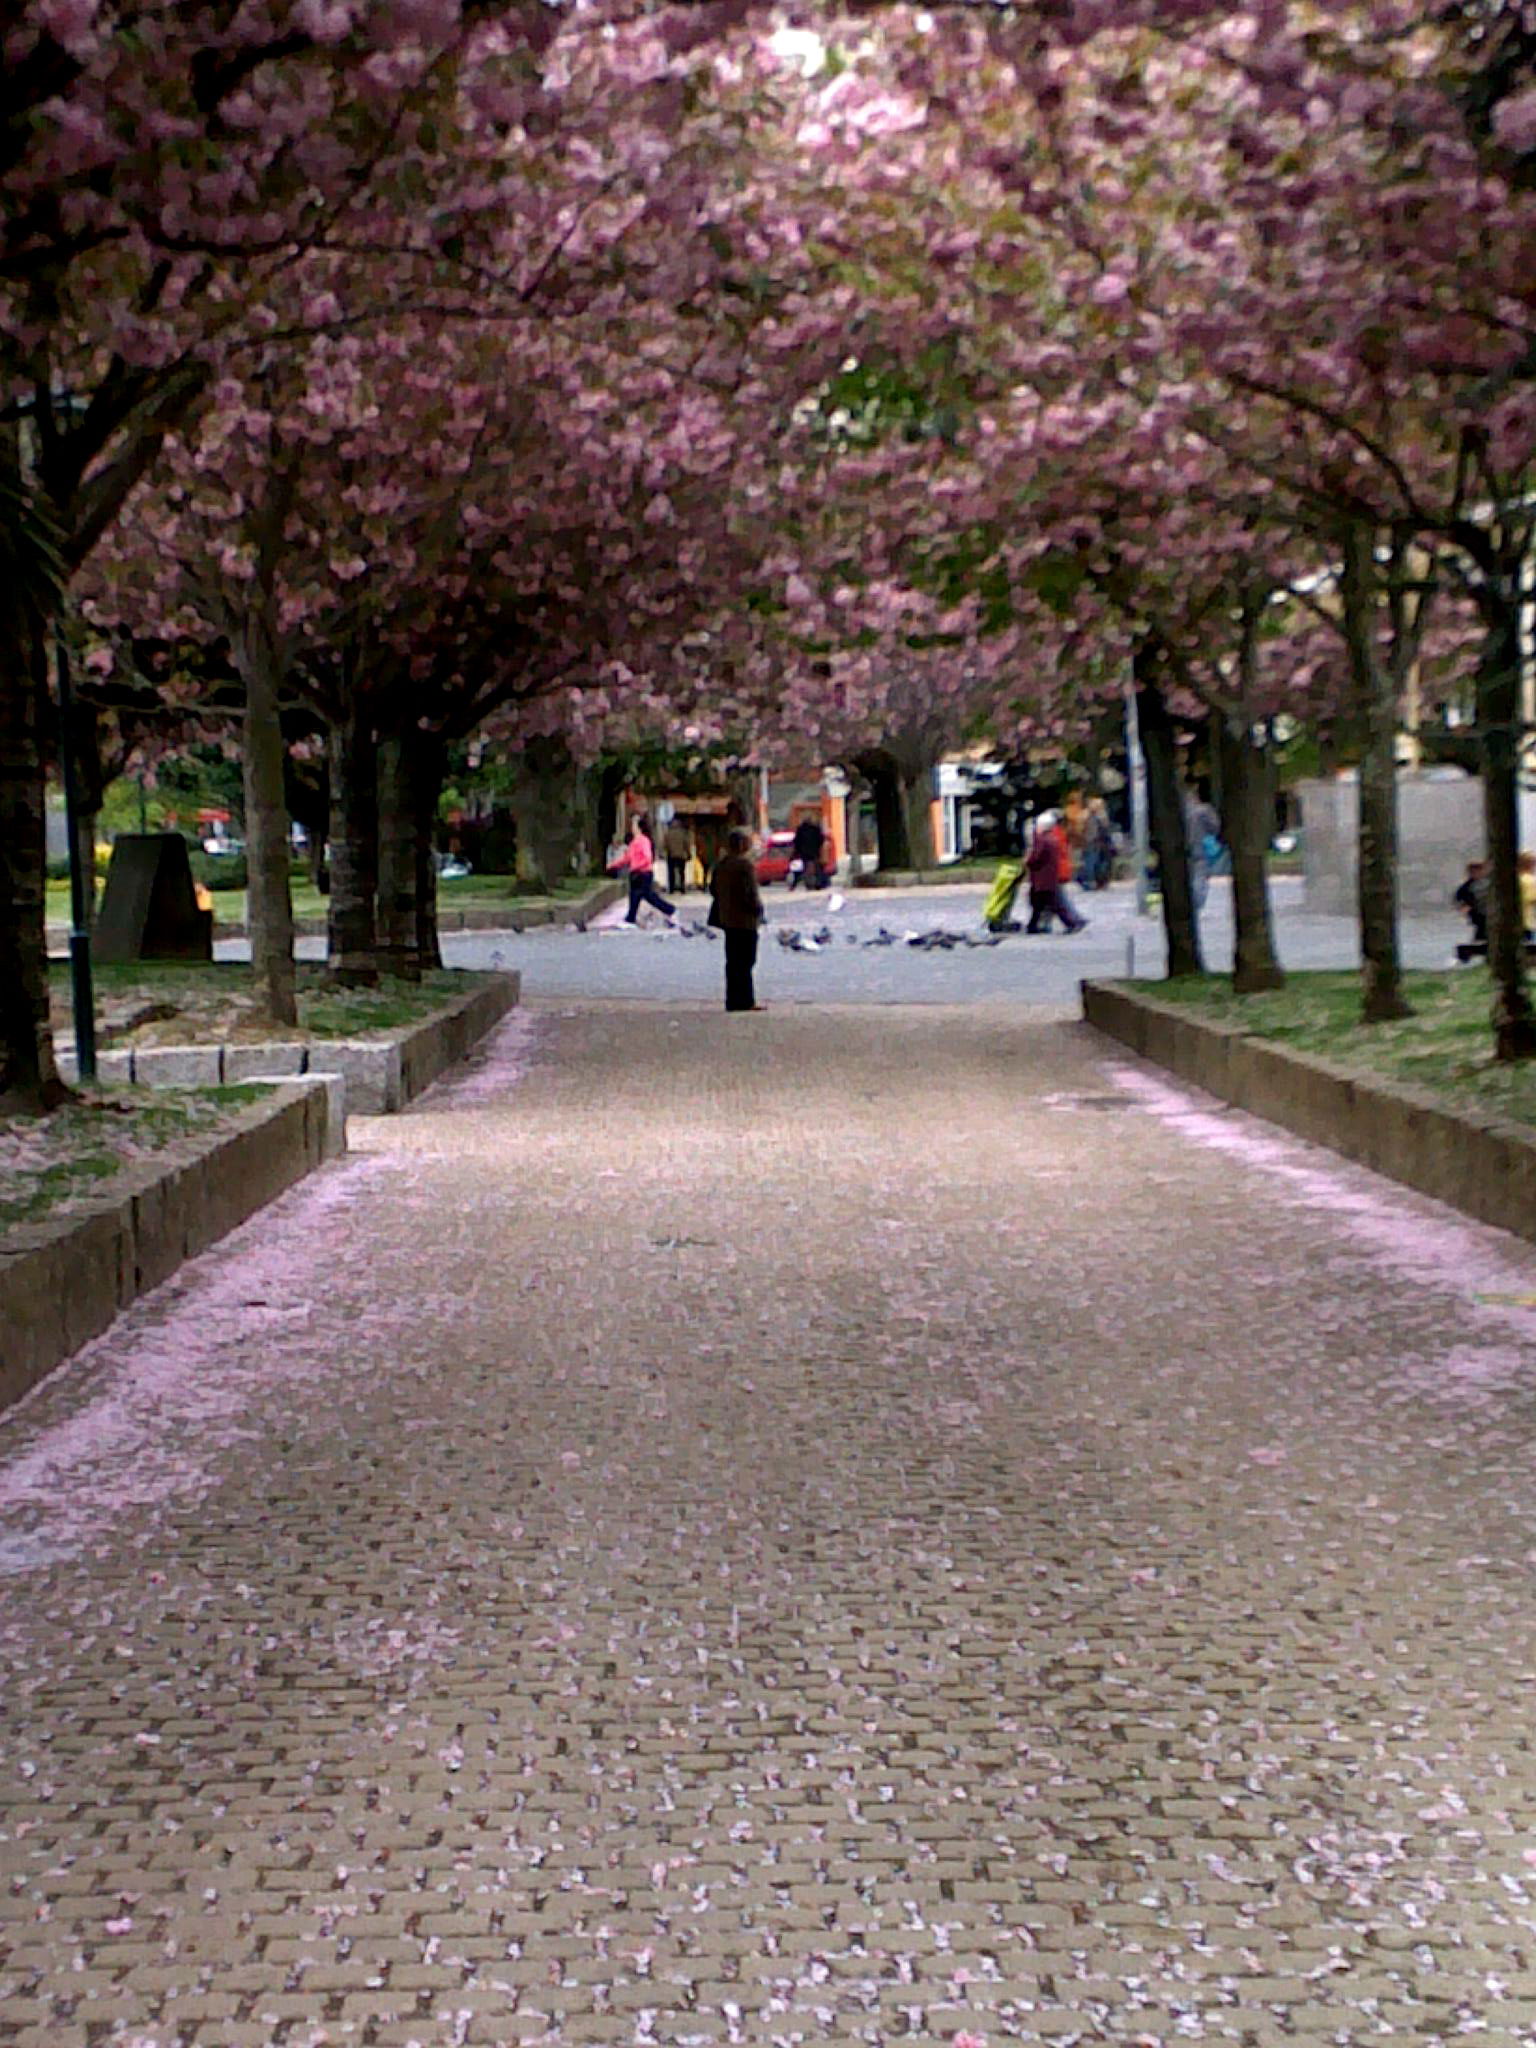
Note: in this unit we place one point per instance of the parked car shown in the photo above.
(778, 850)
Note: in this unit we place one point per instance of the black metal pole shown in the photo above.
(82, 995)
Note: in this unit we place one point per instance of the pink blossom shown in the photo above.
(1514, 121)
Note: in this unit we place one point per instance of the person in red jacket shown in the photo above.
(1049, 867)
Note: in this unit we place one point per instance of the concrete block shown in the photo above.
(321, 1100)
(61, 1283)
(268, 1153)
(198, 1195)
(115, 1069)
(157, 1234)
(178, 1066)
(99, 1263)
(372, 1072)
(32, 1300)
(262, 1062)
(334, 1089)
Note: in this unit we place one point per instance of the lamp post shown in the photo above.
(1136, 776)
(82, 995)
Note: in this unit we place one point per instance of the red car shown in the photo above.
(773, 862)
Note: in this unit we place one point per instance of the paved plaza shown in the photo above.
(855, 1525)
(655, 964)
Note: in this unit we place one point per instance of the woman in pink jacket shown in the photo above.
(638, 861)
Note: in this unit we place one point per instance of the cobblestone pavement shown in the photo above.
(833, 1527)
(656, 965)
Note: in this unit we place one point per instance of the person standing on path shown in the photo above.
(638, 861)
(809, 845)
(737, 910)
(678, 845)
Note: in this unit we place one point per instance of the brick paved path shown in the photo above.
(826, 1527)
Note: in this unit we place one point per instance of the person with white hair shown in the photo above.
(1049, 868)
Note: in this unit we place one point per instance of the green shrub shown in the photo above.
(58, 870)
(219, 870)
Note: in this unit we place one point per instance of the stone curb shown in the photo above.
(63, 1281)
(917, 878)
(1482, 1165)
(378, 1074)
(597, 899)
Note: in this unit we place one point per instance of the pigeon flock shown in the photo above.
(795, 940)
(937, 941)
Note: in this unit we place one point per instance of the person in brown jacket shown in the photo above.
(737, 909)
(677, 843)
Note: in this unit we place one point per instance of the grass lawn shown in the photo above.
(475, 892)
(201, 1002)
(48, 1162)
(1445, 1047)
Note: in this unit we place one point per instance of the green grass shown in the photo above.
(344, 1012)
(474, 892)
(48, 1162)
(1446, 1047)
(209, 995)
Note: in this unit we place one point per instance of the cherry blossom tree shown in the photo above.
(167, 170)
(1288, 242)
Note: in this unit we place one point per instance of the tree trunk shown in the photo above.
(429, 757)
(546, 799)
(29, 1081)
(917, 803)
(1165, 807)
(1247, 820)
(399, 934)
(891, 831)
(350, 910)
(1382, 992)
(609, 792)
(269, 901)
(1498, 716)
(903, 794)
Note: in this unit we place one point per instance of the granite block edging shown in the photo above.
(1480, 1164)
(510, 918)
(915, 878)
(63, 1281)
(379, 1074)
(383, 1075)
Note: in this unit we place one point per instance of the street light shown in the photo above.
(1136, 776)
(82, 994)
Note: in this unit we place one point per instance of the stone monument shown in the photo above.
(149, 906)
